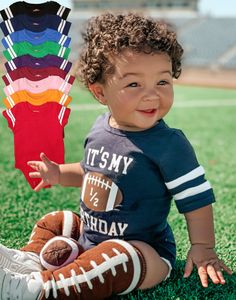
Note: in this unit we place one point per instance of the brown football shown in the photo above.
(58, 252)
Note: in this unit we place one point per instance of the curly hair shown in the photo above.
(109, 34)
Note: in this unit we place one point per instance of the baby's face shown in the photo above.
(140, 91)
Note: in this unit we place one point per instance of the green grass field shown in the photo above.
(207, 116)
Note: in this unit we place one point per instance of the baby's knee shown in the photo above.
(157, 269)
(64, 223)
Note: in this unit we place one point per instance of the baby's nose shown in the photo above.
(151, 95)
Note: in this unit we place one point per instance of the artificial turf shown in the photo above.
(211, 130)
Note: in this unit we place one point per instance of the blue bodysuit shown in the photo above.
(130, 180)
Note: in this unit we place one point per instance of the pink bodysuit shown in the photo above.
(51, 82)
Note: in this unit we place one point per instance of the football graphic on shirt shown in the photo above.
(100, 193)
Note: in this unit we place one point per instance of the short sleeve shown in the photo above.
(6, 81)
(11, 100)
(8, 26)
(3, 14)
(4, 28)
(65, 99)
(63, 115)
(7, 42)
(63, 11)
(64, 27)
(10, 117)
(183, 176)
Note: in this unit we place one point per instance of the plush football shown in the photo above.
(58, 252)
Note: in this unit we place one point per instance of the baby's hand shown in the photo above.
(207, 263)
(47, 170)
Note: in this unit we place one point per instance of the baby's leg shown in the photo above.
(27, 260)
(157, 268)
(57, 223)
(112, 267)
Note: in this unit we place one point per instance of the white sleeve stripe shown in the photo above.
(63, 86)
(193, 191)
(9, 77)
(62, 40)
(11, 52)
(61, 51)
(12, 89)
(9, 89)
(63, 65)
(61, 26)
(9, 12)
(10, 115)
(185, 178)
(60, 11)
(9, 41)
(61, 114)
(67, 78)
(12, 65)
(63, 99)
(9, 26)
(10, 101)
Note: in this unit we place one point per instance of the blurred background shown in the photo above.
(205, 28)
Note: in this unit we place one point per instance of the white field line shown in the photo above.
(182, 104)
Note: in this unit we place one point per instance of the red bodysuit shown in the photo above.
(37, 129)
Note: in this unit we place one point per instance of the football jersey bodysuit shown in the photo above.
(37, 129)
(37, 99)
(50, 82)
(37, 63)
(36, 38)
(130, 179)
(35, 9)
(38, 51)
(35, 24)
(32, 74)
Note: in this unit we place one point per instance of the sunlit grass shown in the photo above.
(211, 131)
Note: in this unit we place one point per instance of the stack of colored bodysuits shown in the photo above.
(37, 81)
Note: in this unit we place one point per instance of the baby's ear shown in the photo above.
(97, 90)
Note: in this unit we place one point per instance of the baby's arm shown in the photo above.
(53, 173)
(202, 254)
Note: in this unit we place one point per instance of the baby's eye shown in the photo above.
(162, 82)
(132, 84)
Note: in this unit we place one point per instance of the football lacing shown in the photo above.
(90, 285)
(94, 265)
(95, 180)
(124, 263)
(87, 276)
(107, 258)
